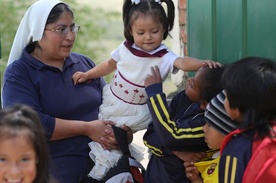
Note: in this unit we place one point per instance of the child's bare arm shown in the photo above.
(100, 70)
(193, 64)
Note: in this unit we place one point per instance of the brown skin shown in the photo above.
(192, 173)
(154, 78)
(193, 89)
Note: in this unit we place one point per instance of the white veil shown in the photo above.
(31, 27)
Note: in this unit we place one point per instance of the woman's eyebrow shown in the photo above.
(64, 25)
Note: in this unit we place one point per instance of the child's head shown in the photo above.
(218, 123)
(204, 85)
(152, 10)
(23, 148)
(250, 87)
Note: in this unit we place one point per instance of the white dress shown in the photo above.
(124, 99)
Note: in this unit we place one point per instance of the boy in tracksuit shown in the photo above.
(178, 127)
(218, 125)
(250, 89)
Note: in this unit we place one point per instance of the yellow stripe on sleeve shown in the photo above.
(234, 168)
(175, 132)
(226, 171)
(154, 150)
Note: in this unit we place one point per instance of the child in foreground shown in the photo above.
(218, 125)
(250, 89)
(146, 25)
(23, 148)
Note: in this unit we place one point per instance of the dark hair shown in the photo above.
(250, 85)
(57, 11)
(131, 12)
(19, 119)
(54, 15)
(210, 84)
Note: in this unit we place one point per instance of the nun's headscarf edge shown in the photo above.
(31, 27)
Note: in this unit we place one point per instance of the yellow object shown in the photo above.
(208, 170)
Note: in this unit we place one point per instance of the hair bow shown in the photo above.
(135, 2)
(138, 1)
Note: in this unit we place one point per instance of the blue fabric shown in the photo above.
(235, 157)
(164, 135)
(52, 94)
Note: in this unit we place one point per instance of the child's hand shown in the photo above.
(192, 173)
(189, 156)
(79, 77)
(154, 77)
(211, 64)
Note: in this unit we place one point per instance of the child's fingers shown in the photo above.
(76, 78)
(188, 164)
(211, 64)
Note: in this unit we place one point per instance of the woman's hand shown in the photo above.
(99, 130)
(154, 77)
(109, 141)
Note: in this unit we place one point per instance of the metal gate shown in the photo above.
(227, 30)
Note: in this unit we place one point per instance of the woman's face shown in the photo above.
(17, 160)
(193, 86)
(56, 46)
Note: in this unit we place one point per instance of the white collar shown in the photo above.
(216, 155)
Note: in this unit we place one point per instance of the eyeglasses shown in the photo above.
(65, 30)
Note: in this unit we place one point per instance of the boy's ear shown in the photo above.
(236, 115)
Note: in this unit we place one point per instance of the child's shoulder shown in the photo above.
(238, 139)
(262, 163)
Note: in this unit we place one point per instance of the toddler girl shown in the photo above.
(146, 25)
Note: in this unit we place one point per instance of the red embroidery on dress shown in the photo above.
(127, 91)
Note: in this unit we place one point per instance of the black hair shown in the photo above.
(210, 84)
(250, 86)
(21, 120)
(57, 11)
(132, 11)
